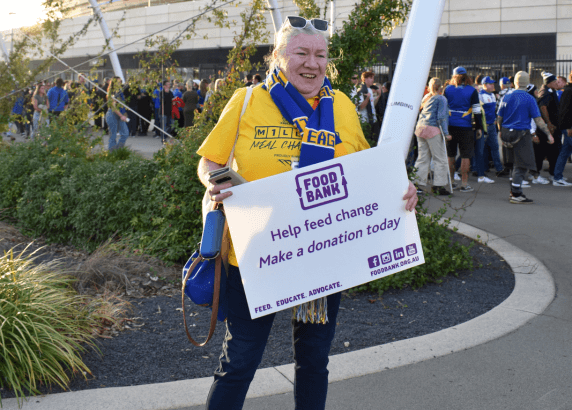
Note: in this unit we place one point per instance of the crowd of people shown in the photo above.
(458, 130)
(469, 126)
(168, 103)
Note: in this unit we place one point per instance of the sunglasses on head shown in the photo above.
(301, 22)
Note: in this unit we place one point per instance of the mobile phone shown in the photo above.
(226, 174)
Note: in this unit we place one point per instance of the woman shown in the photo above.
(191, 99)
(41, 106)
(166, 107)
(434, 117)
(203, 90)
(463, 100)
(116, 116)
(300, 57)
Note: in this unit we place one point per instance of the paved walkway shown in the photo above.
(517, 356)
(528, 369)
(146, 146)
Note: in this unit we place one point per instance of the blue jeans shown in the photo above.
(166, 121)
(492, 142)
(115, 124)
(244, 345)
(478, 161)
(565, 152)
(157, 121)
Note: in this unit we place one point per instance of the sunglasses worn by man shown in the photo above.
(301, 22)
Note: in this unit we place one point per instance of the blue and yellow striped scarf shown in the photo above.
(319, 138)
(319, 141)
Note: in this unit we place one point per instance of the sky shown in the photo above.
(27, 13)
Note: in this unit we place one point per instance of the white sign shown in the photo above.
(321, 229)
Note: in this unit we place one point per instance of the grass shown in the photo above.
(45, 324)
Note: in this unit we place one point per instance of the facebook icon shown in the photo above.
(398, 254)
(373, 262)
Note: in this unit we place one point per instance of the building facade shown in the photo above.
(482, 30)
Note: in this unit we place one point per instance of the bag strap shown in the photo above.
(216, 298)
(244, 104)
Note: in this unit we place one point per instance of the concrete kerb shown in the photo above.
(534, 291)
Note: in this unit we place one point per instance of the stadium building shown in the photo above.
(500, 36)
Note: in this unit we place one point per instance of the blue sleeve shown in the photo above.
(443, 114)
(66, 98)
(446, 92)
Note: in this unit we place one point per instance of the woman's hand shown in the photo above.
(448, 137)
(206, 166)
(411, 197)
(214, 192)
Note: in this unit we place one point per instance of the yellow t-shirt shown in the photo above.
(267, 142)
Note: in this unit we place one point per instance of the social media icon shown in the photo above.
(398, 254)
(386, 257)
(411, 249)
(373, 262)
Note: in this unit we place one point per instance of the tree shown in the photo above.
(355, 44)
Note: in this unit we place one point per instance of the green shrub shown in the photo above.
(59, 189)
(44, 326)
(172, 224)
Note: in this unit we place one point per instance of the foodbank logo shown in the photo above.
(321, 186)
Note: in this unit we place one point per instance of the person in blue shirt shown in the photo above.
(18, 113)
(116, 116)
(489, 104)
(157, 105)
(202, 92)
(515, 114)
(463, 101)
(58, 98)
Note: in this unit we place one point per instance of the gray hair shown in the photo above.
(189, 85)
(283, 37)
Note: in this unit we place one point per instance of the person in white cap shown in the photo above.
(489, 103)
(515, 113)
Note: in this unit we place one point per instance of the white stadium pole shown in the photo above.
(4, 50)
(275, 13)
(107, 34)
(332, 17)
(411, 73)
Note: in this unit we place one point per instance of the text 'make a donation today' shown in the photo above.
(296, 231)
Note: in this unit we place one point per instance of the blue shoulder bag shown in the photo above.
(204, 274)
